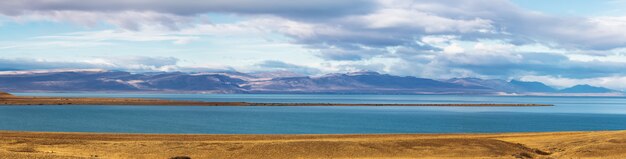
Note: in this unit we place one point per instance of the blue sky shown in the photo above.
(559, 42)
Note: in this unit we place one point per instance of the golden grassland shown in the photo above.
(45, 145)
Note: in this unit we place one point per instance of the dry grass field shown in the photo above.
(604, 144)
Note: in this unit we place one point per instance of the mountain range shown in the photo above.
(277, 82)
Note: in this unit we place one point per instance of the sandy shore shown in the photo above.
(8, 99)
(605, 144)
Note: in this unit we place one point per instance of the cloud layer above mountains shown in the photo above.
(425, 38)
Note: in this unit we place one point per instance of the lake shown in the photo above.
(568, 114)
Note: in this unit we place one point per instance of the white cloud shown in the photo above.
(44, 44)
(453, 48)
(429, 23)
(134, 63)
(438, 40)
(428, 38)
(131, 20)
(293, 8)
(121, 35)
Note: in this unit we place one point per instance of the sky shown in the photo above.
(559, 42)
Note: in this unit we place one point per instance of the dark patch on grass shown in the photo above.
(28, 148)
(523, 155)
(234, 148)
(617, 141)
(537, 151)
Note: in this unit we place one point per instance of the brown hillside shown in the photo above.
(5, 94)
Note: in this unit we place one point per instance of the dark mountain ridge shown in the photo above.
(237, 82)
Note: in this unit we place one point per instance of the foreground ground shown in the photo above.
(607, 144)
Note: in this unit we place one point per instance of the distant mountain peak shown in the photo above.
(276, 74)
(531, 86)
(585, 88)
(5, 94)
(362, 73)
(586, 85)
(68, 80)
(466, 78)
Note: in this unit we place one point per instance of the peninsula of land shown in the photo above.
(45, 145)
(9, 99)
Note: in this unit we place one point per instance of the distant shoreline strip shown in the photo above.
(9, 99)
(16, 100)
(421, 104)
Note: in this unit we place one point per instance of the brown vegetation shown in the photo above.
(8, 99)
(608, 144)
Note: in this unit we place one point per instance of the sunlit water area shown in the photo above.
(568, 114)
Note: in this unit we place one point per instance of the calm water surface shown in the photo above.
(569, 114)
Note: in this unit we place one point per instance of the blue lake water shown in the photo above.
(569, 114)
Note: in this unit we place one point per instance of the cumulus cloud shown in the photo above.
(137, 63)
(121, 35)
(190, 7)
(273, 65)
(427, 38)
(134, 15)
(131, 20)
(377, 23)
(416, 19)
(519, 64)
(402, 23)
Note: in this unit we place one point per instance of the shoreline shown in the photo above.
(26, 100)
(576, 144)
